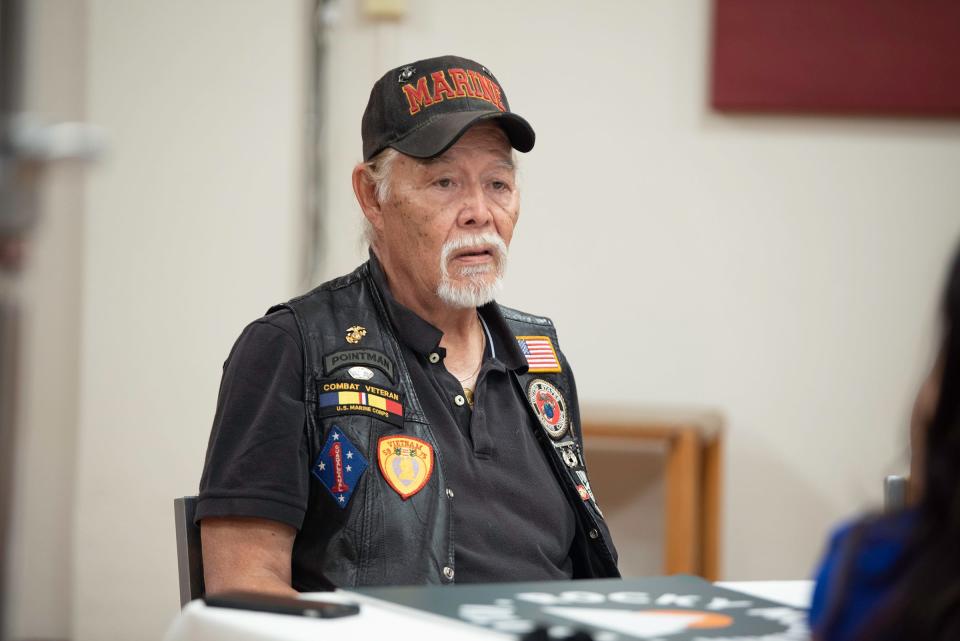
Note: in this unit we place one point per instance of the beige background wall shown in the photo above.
(40, 560)
(781, 269)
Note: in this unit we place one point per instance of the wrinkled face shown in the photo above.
(448, 221)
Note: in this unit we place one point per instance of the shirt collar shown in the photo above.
(423, 338)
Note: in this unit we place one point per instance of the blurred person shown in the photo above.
(396, 425)
(896, 577)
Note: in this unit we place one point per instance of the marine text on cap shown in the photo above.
(462, 83)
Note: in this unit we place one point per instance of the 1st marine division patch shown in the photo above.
(405, 462)
(339, 466)
(549, 406)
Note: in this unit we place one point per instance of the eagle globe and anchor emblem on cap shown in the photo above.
(406, 463)
(550, 407)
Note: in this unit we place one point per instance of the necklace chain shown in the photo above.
(471, 374)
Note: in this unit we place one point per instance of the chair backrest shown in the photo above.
(189, 553)
(894, 493)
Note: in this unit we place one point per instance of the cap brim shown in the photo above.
(435, 137)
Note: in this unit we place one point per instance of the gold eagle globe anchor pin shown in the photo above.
(355, 333)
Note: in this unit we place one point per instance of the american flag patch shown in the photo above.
(539, 352)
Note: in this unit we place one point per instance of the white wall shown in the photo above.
(781, 269)
(191, 232)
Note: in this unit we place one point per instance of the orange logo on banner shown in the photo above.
(405, 462)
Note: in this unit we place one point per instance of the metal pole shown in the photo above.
(16, 217)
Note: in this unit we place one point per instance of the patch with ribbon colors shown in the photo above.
(338, 397)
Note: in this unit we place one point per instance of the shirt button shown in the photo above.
(449, 493)
(448, 572)
(434, 358)
(594, 534)
(459, 399)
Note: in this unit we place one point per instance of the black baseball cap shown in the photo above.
(421, 109)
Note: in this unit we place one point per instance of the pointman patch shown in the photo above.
(540, 354)
(339, 466)
(550, 407)
(405, 462)
(360, 356)
(338, 397)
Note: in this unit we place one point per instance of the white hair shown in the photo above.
(379, 170)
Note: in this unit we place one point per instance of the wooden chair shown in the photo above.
(693, 477)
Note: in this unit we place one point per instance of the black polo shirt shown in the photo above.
(512, 521)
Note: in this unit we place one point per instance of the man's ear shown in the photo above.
(366, 194)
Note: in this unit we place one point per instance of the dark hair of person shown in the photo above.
(924, 604)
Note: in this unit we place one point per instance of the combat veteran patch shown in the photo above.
(405, 462)
(339, 466)
(550, 407)
(540, 354)
(337, 398)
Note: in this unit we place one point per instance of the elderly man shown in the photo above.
(396, 425)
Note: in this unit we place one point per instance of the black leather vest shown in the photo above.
(375, 540)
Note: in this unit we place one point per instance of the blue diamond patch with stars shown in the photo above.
(339, 466)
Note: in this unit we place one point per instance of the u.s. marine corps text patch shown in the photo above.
(339, 397)
(406, 463)
(339, 466)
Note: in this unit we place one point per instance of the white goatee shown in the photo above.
(473, 285)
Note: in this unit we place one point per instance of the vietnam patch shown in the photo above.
(405, 462)
(339, 397)
(550, 407)
(339, 466)
(540, 354)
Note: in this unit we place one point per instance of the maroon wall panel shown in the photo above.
(854, 56)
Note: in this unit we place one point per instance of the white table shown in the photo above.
(793, 593)
(197, 622)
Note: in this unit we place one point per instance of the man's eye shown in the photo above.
(443, 182)
(499, 185)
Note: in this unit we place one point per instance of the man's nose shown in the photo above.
(475, 210)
